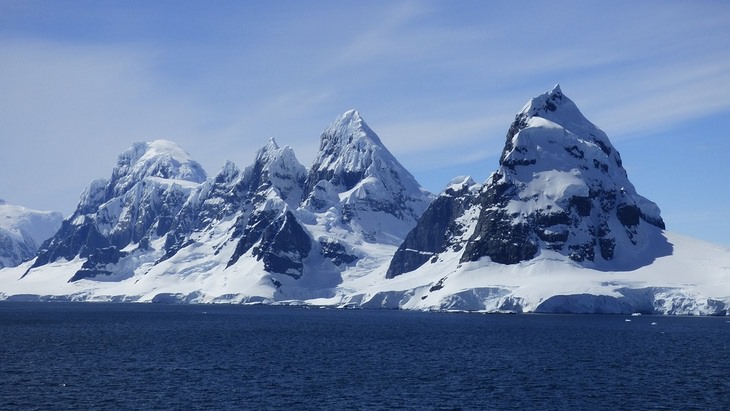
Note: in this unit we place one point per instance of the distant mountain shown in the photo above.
(22, 231)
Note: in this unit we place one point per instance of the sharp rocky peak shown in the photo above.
(347, 127)
(550, 132)
(268, 149)
(229, 170)
(279, 168)
(554, 109)
(355, 172)
(546, 102)
(271, 155)
(561, 185)
(348, 149)
(347, 144)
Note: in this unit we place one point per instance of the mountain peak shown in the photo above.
(347, 128)
(271, 153)
(146, 153)
(163, 147)
(348, 149)
(280, 167)
(561, 110)
(268, 152)
(352, 113)
(549, 102)
(271, 145)
(355, 173)
(159, 158)
(562, 183)
(551, 125)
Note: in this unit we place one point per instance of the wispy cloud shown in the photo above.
(435, 135)
(386, 37)
(440, 82)
(662, 99)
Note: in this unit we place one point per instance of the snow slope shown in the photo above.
(693, 280)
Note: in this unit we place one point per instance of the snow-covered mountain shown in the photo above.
(258, 200)
(558, 227)
(158, 230)
(560, 186)
(115, 217)
(355, 176)
(22, 231)
(276, 231)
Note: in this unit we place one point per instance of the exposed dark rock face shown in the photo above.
(503, 242)
(251, 232)
(496, 235)
(438, 230)
(96, 264)
(283, 247)
(70, 241)
(336, 252)
(257, 198)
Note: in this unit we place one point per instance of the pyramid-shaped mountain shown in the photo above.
(371, 192)
(560, 187)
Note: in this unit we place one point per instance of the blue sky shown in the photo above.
(439, 81)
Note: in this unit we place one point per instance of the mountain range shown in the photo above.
(557, 227)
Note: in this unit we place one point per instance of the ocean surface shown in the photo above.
(146, 356)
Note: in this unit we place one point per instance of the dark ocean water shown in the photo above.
(139, 356)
